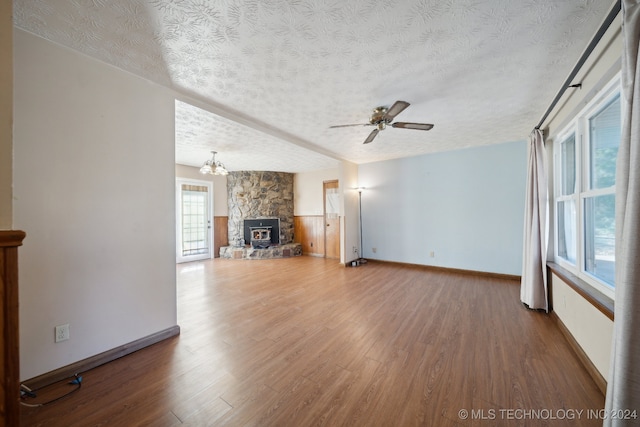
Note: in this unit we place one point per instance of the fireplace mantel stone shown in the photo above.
(247, 252)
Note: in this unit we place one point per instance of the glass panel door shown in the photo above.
(193, 220)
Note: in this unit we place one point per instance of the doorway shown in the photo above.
(331, 193)
(193, 220)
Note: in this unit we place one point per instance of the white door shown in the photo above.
(193, 220)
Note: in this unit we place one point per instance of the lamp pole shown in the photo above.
(361, 260)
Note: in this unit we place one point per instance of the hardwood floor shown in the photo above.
(304, 341)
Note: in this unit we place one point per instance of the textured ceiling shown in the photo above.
(274, 75)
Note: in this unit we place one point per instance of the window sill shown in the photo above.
(600, 301)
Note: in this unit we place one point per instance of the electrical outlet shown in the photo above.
(355, 250)
(432, 254)
(374, 250)
(62, 332)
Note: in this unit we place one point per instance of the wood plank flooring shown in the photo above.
(304, 341)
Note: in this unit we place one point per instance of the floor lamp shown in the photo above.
(360, 260)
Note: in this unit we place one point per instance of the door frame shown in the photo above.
(179, 182)
(324, 218)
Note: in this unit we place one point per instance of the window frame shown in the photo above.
(559, 197)
(579, 127)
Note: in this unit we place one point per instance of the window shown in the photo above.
(584, 188)
(566, 203)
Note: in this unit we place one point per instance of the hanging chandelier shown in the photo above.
(213, 167)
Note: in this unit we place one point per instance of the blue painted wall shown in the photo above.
(465, 206)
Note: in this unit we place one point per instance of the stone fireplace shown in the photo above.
(263, 197)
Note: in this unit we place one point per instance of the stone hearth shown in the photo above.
(247, 252)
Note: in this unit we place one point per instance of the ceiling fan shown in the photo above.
(383, 116)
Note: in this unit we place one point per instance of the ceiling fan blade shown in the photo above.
(371, 136)
(417, 126)
(344, 126)
(395, 109)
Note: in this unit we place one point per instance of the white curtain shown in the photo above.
(623, 390)
(533, 288)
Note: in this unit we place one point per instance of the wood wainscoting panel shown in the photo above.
(308, 230)
(220, 234)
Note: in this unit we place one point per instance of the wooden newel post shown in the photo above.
(10, 343)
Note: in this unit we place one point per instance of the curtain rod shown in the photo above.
(603, 28)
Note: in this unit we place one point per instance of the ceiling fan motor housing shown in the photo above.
(377, 117)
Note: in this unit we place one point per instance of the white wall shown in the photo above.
(307, 191)
(466, 206)
(6, 115)
(591, 329)
(94, 190)
(220, 205)
(349, 219)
